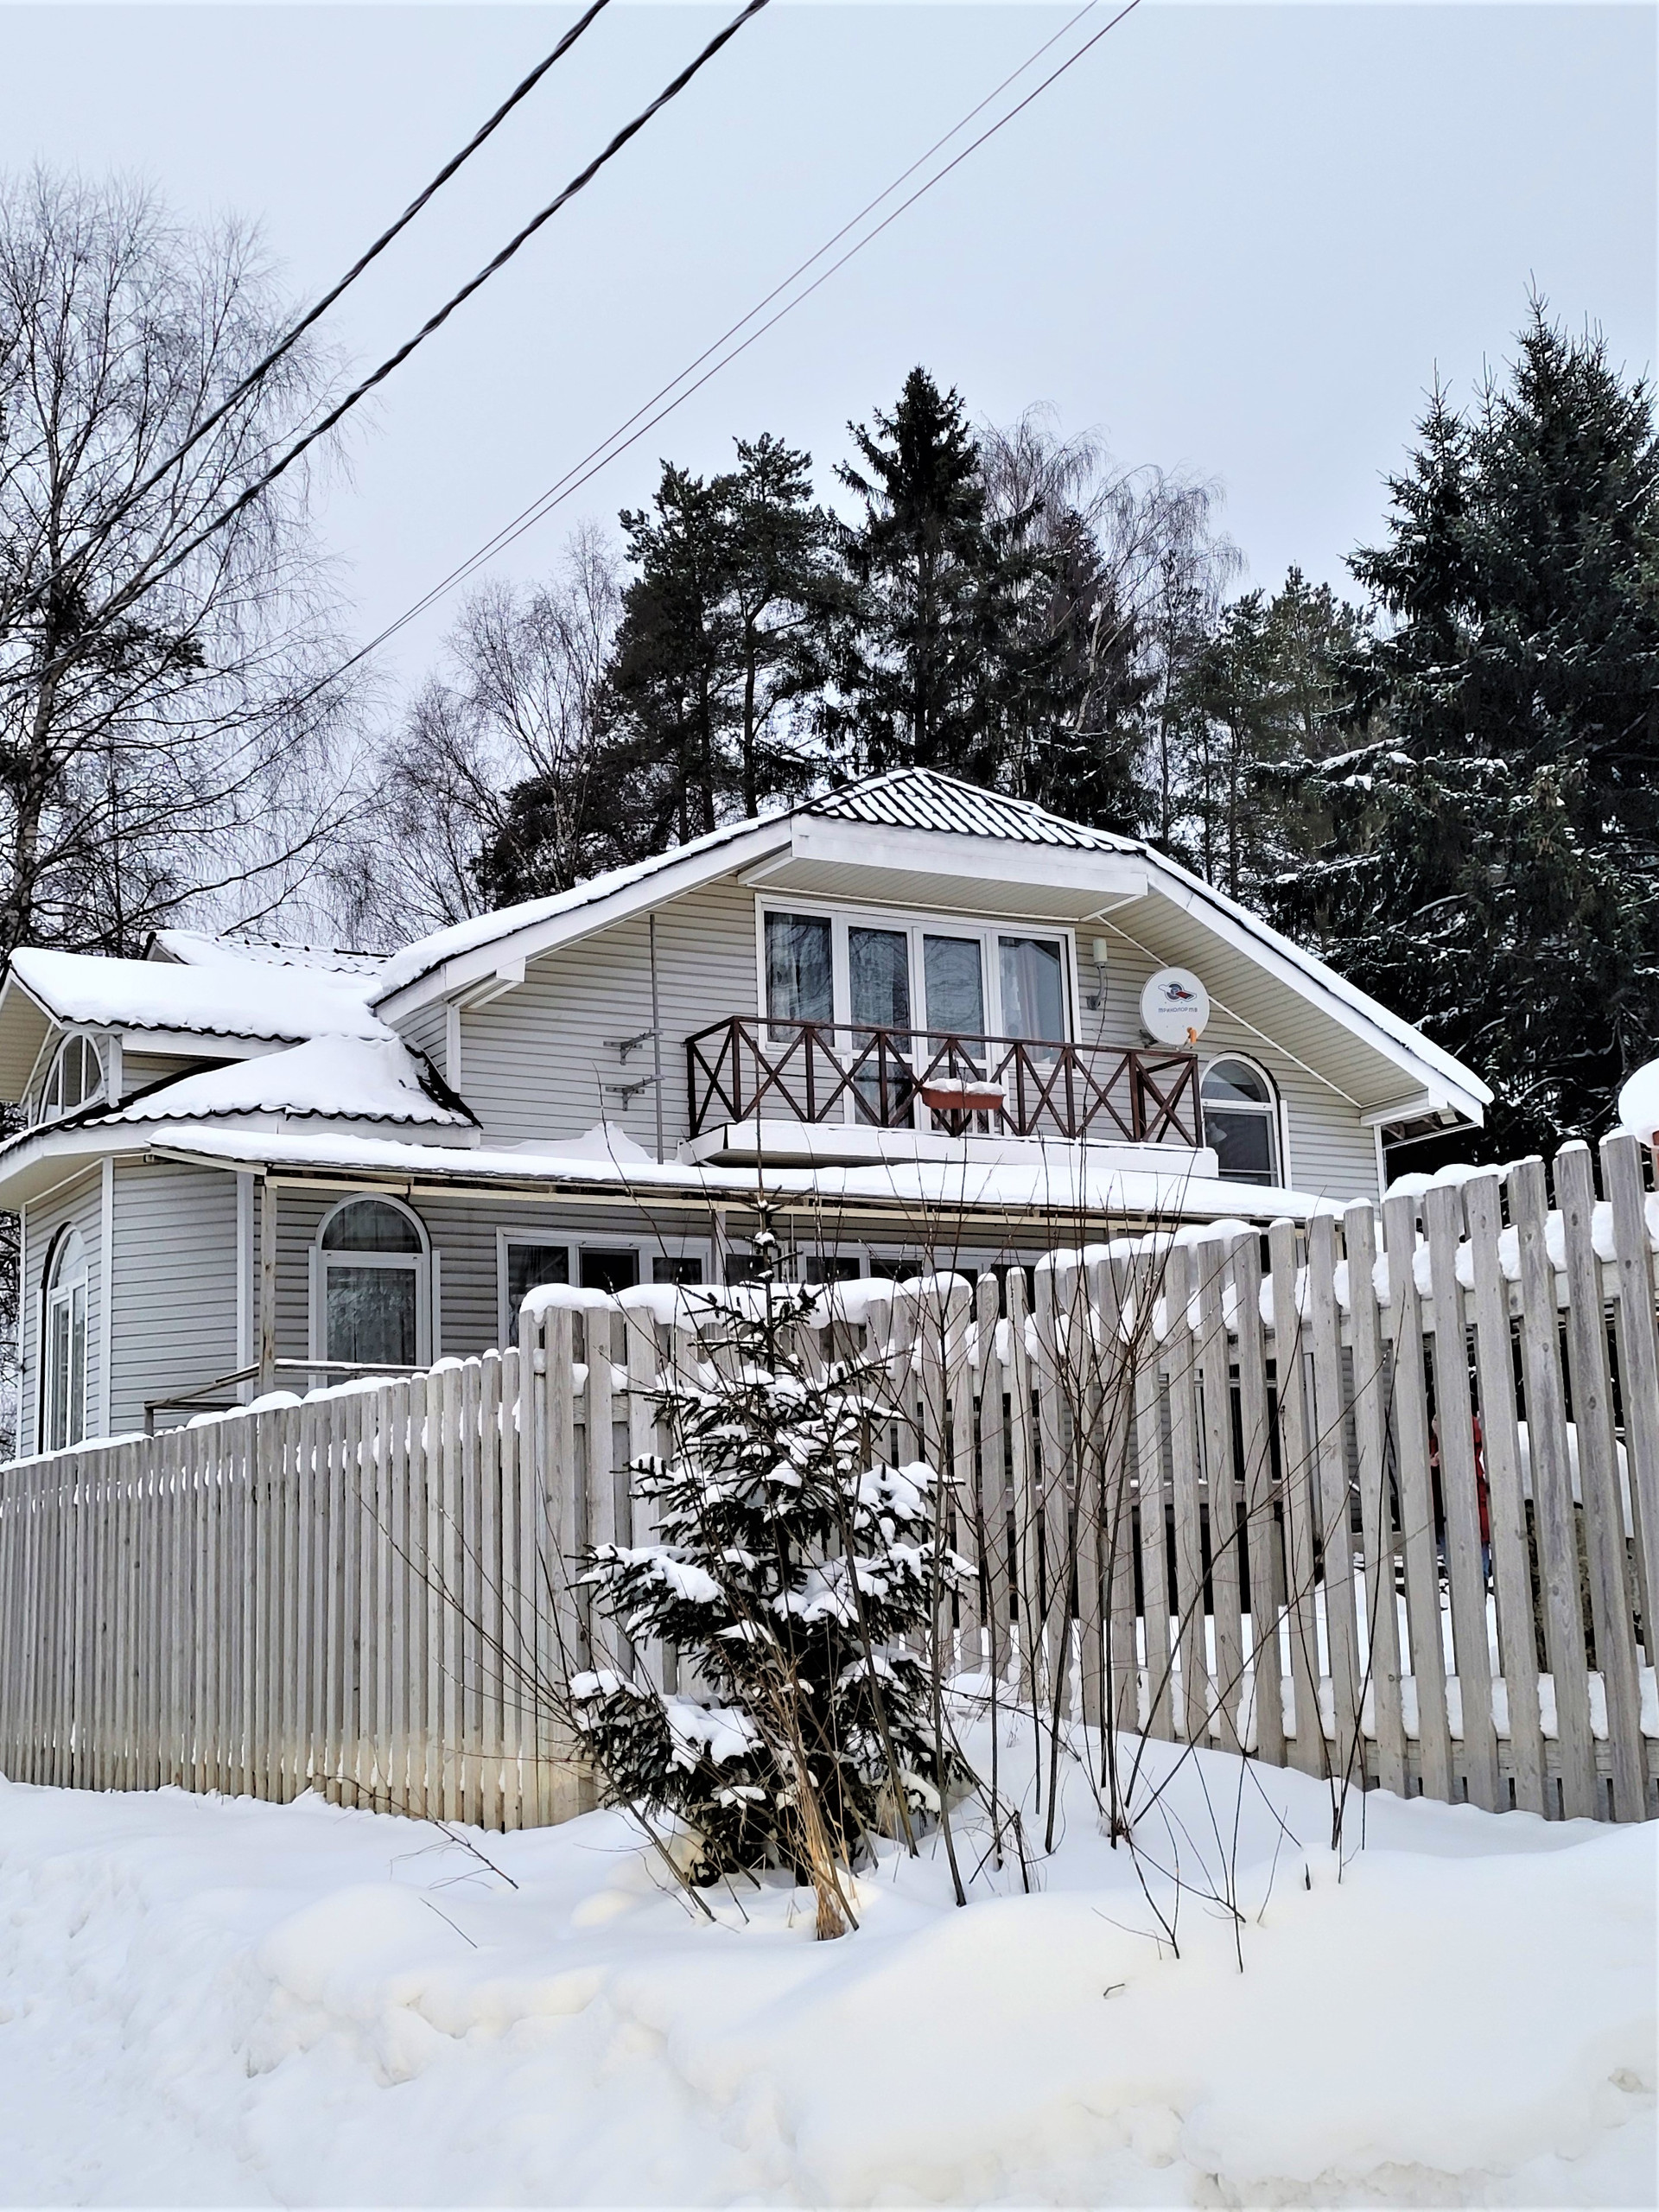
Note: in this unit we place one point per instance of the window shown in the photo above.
(799, 975)
(953, 978)
(76, 1078)
(609, 1270)
(1034, 988)
(64, 1367)
(373, 1276)
(1241, 1121)
(528, 1265)
(876, 971)
(666, 1268)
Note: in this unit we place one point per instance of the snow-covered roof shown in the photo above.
(903, 798)
(349, 1078)
(1057, 1179)
(429, 952)
(223, 998)
(196, 947)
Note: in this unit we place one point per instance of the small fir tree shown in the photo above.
(798, 1576)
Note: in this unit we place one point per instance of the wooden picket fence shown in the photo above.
(1378, 1498)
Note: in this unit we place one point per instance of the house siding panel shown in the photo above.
(425, 1032)
(536, 1063)
(77, 1205)
(173, 1325)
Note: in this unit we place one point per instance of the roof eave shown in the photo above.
(1435, 1070)
(502, 957)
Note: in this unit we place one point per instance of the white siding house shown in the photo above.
(601, 1085)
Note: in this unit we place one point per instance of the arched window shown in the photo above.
(77, 1077)
(63, 1397)
(371, 1286)
(1241, 1121)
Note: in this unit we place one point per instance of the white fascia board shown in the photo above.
(992, 859)
(502, 960)
(1420, 1107)
(202, 1044)
(38, 1160)
(1308, 976)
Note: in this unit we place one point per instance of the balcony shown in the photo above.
(747, 1069)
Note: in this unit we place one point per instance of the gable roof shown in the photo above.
(900, 799)
(915, 802)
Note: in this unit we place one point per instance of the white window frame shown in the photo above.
(421, 1264)
(73, 1293)
(46, 1112)
(917, 923)
(1273, 1113)
(645, 1248)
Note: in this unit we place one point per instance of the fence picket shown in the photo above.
(1307, 1750)
(1417, 1529)
(1603, 1513)
(1460, 1500)
(1501, 1452)
(1552, 1490)
(1638, 1362)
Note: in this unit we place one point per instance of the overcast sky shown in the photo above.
(1235, 239)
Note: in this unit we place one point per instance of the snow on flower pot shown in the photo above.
(963, 1094)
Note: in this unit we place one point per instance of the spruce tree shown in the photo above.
(797, 1573)
(1491, 868)
(936, 583)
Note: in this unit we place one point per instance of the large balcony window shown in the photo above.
(950, 980)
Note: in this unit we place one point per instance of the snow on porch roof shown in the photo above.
(227, 998)
(349, 1078)
(921, 1196)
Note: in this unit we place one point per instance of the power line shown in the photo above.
(625, 434)
(435, 322)
(262, 369)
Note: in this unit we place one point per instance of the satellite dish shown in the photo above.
(1175, 1007)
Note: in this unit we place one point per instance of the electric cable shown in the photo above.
(600, 456)
(262, 368)
(436, 322)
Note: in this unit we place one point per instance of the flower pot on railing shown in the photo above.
(967, 1095)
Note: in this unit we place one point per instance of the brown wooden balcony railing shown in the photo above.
(748, 1067)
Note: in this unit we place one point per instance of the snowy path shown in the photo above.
(204, 2002)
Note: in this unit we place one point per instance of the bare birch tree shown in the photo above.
(502, 745)
(165, 722)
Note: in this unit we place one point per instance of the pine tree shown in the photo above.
(796, 1574)
(1492, 869)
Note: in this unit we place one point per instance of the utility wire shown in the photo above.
(626, 434)
(539, 506)
(262, 369)
(435, 322)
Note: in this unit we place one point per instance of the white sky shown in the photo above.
(1234, 239)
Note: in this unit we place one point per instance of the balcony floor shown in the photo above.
(852, 1144)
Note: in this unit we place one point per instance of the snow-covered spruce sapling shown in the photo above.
(794, 1571)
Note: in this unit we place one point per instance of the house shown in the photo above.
(932, 1024)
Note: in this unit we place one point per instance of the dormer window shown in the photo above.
(76, 1079)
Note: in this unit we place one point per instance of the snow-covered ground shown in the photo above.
(214, 2002)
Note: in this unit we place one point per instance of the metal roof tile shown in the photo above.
(920, 798)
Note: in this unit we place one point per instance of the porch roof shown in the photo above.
(1058, 1181)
